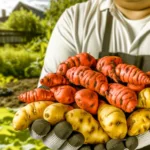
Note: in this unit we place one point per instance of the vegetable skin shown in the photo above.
(84, 122)
(88, 100)
(107, 65)
(122, 97)
(136, 88)
(131, 74)
(88, 78)
(81, 59)
(64, 94)
(27, 114)
(138, 122)
(37, 94)
(144, 98)
(56, 112)
(53, 79)
(112, 120)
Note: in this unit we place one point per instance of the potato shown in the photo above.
(84, 122)
(56, 113)
(138, 122)
(112, 120)
(144, 98)
(27, 114)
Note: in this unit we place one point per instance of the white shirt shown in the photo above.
(135, 26)
(81, 29)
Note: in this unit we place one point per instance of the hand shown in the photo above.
(131, 143)
(143, 140)
(61, 136)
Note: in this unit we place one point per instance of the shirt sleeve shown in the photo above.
(61, 44)
(74, 33)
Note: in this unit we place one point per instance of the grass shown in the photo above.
(15, 140)
(14, 60)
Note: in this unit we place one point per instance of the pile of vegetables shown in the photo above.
(105, 99)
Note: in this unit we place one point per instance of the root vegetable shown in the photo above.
(53, 79)
(64, 94)
(29, 113)
(138, 122)
(88, 78)
(144, 98)
(56, 112)
(112, 120)
(81, 59)
(148, 73)
(136, 88)
(122, 97)
(37, 94)
(84, 122)
(75, 74)
(107, 65)
(131, 74)
(88, 100)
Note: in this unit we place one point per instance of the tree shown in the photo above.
(23, 20)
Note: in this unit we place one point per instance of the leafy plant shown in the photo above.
(16, 140)
(23, 20)
(6, 79)
(14, 60)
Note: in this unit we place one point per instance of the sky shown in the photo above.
(8, 5)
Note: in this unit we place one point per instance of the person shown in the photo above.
(103, 27)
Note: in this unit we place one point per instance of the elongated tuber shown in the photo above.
(131, 74)
(81, 59)
(88, 78)
(122, 97)
(27, 114)
(53, 79)
(37, 94)
(107, 65)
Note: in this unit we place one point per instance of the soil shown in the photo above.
(14, 90)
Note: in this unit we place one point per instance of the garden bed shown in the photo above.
(17, 88)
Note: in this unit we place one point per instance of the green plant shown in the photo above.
(24, 20)
(15, 140)
(4, 80)
(38, 45)
(14, 60)
(34, 69)
(27, 60)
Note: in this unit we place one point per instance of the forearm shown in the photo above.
(60, 46)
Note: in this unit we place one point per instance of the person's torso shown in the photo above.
(88, 26)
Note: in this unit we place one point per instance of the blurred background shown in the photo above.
(25, 29)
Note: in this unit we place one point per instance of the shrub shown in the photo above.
(14, 61)
(23, 20)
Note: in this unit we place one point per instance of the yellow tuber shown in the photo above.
(83, 122)
(138, 122)
(112, 120)
(56, 112)
(27, 114)
(144, 98)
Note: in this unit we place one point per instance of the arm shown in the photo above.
(61, 44)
